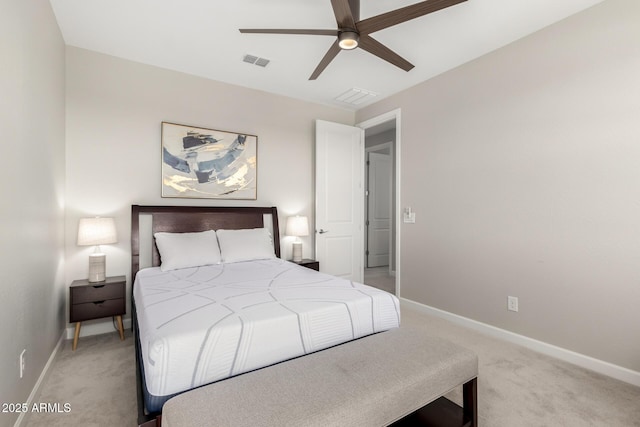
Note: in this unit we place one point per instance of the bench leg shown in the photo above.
(470, 402)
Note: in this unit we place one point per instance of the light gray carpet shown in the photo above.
(379, 278)
(519, 387)
(98, 380)
(516, 387)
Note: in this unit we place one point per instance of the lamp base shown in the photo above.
(97, 267)
(297, 251)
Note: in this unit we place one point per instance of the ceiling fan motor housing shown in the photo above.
(348, 39)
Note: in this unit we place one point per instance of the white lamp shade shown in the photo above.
(297, 226)
(96, 231)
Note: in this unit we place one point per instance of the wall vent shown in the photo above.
(252, 59)
(355, 96)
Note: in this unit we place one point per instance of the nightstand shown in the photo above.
(95, 300)
(309, 263)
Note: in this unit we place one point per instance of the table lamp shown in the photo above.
(297, 226)
(95, 232)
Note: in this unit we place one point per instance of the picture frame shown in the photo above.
(205, 163)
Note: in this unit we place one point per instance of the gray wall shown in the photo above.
(114, 111)
(32, 310)
(523, 169)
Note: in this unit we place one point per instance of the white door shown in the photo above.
(340, 199)
(379, 210)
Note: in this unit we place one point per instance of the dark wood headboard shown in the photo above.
(185, 219)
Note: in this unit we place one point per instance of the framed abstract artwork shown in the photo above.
(208, 164)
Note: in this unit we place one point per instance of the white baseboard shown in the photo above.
(41, 378)
(600, 366)
(96, 328)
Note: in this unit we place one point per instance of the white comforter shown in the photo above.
(200, 325)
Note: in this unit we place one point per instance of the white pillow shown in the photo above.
(245, 245)
(184, 250)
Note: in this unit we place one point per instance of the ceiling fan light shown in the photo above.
(348, 40)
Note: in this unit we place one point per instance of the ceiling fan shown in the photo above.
(353, 32)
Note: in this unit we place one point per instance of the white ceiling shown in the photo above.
(201, 37)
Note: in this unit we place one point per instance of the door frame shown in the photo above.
(366, 124)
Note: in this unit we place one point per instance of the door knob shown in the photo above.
(321, 231)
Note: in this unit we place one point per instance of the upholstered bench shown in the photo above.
(394, 376)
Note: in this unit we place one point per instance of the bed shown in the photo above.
(199, 319)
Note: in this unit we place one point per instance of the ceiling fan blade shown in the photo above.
(398, 16)
(292, 31)
(342, 11)
(328, 57)
(381, 51)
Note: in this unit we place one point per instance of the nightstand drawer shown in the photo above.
(96, 310)
(95, 300)
(97, 292)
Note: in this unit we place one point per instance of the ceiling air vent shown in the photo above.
(355, 96)
(261, 62)
(252, 59)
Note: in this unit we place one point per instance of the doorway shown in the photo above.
(382, 160)
(378, 205)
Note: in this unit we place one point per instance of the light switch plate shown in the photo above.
(410, 217)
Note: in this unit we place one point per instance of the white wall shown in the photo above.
(114, 111)
(523, 169)
(32, 301)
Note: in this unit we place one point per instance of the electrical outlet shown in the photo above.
(22, 362)
(512, 303)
